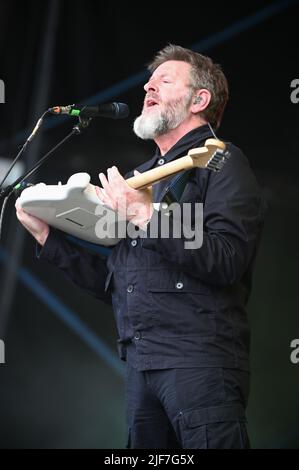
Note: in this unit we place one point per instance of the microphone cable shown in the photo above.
(30, 138)
(2, 213)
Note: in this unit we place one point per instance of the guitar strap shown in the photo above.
(177, 187)
(175, 190)
(103, 251)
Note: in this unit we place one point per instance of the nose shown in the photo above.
(151, 85)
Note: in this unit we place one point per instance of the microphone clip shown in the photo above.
(83, 120)
(81, 125)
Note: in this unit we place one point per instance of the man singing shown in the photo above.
(180, 313)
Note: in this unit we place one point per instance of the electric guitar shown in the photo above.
(76, 209)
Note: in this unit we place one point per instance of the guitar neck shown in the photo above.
(210, 156)
(148, 178)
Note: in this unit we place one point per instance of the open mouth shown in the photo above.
(150, 103)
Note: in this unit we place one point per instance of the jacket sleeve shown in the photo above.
(85, 269)
(232, 220)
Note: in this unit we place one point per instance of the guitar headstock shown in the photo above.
(212, 155)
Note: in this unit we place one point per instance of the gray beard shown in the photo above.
(160, 122)
(149, 127)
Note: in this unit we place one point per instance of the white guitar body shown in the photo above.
(86, 217)
(76, 209)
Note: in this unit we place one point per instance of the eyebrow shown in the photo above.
(163, 75)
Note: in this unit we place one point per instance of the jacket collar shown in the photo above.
(193, 139)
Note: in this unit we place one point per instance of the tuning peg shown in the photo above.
(218, 159)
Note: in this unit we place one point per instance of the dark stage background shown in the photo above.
(62, 385)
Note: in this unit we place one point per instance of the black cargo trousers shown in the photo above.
(186, 408)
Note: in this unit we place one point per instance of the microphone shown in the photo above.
(107, 110)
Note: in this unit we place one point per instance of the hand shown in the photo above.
(37, 228)
(134, 205)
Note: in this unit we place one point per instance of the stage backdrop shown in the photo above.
(61, 385)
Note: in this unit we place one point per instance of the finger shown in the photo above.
(27, 218)
(113, 175)
(101, 194)
(19, 209)
(103, 179)
(105, 199)
(106, 185)
(136, 173)
(116, 178)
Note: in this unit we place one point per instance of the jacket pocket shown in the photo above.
(165, 280)
(179, 305)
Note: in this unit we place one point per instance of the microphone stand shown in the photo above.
(77, 129)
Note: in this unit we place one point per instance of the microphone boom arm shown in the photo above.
(77, 129)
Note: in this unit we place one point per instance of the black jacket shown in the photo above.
(178, 307)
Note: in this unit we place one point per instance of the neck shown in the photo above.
(166, 141)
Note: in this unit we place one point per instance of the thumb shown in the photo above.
(136, 173)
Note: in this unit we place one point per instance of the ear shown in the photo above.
(200, 101)
(197, 99)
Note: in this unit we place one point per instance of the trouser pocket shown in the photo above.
(215, 427)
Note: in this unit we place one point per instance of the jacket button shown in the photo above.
(134, 243)
(161, 161)
(137, 335)
(130, 289)
(179, 285)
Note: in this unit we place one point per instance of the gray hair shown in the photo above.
(204, 74)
